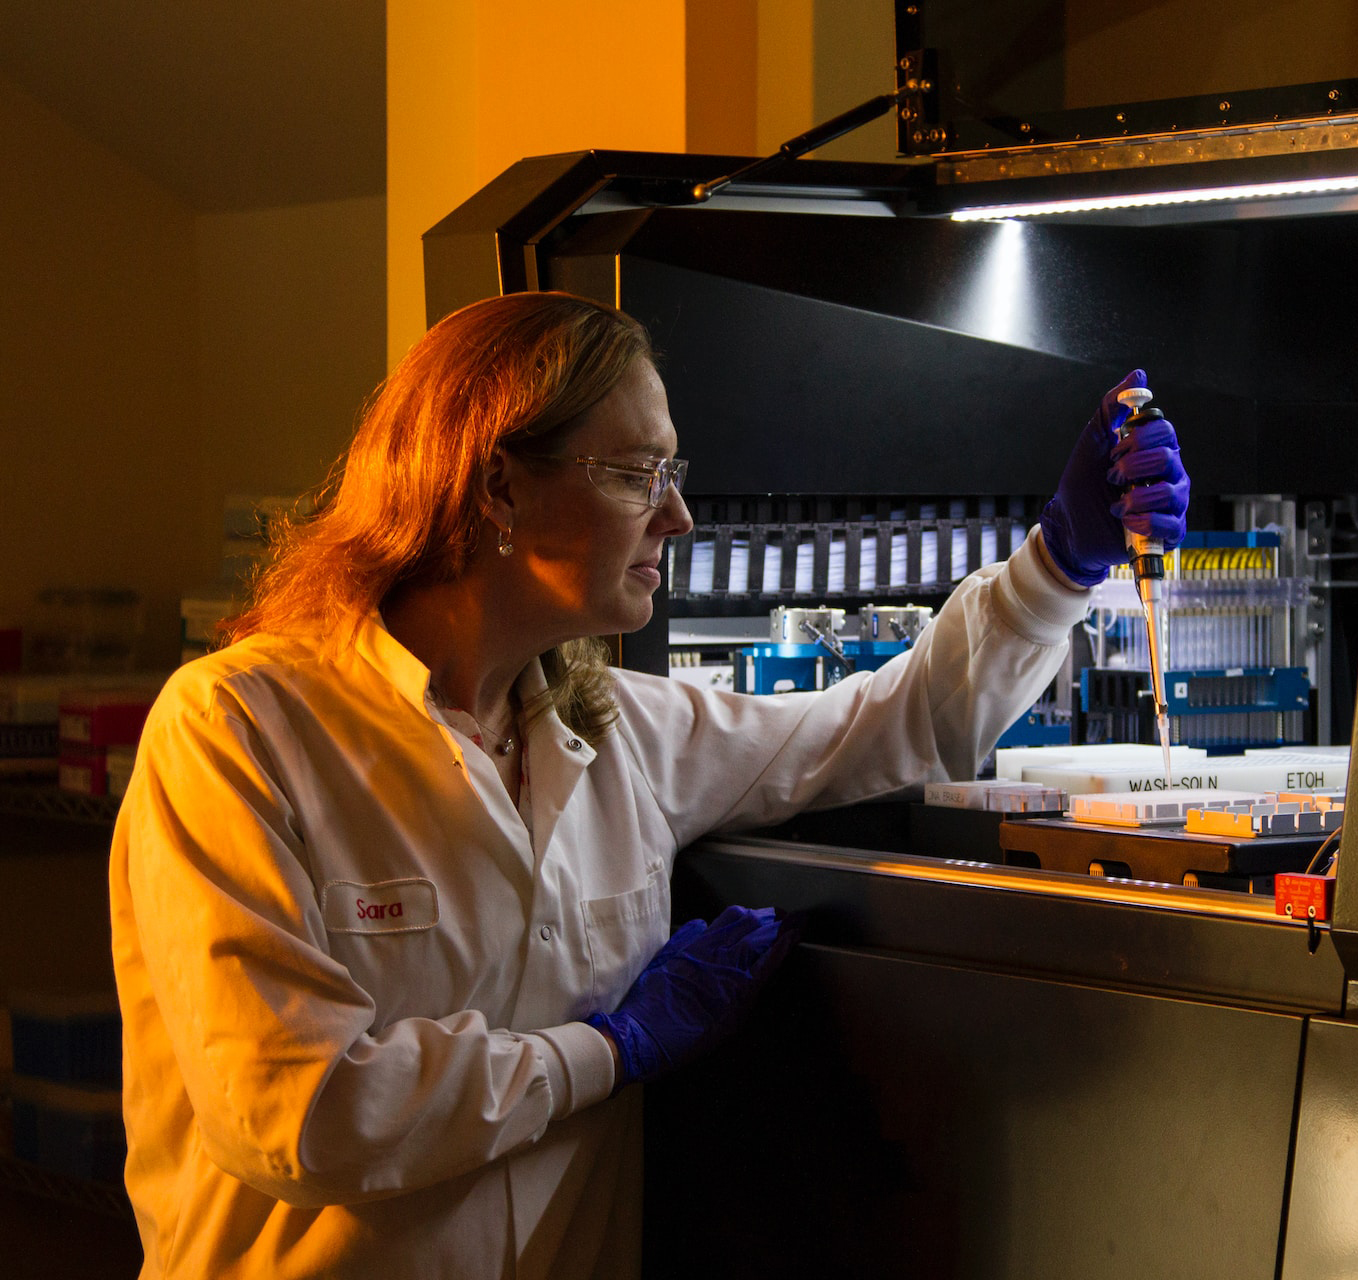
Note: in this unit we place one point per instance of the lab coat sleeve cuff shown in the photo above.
(579, 1066)
(1032, 601)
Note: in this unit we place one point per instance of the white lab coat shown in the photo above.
(351, 977)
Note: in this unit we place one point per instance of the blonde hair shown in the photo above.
(404, 509)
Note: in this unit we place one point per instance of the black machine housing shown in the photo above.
(983, 1073)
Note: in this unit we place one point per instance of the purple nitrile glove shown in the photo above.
(696, 990)
(1084, 525)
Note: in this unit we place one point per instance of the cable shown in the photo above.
(1329, 839)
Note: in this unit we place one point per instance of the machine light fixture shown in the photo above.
(1153, 199)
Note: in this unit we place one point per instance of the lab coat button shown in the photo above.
(574, 744)
(546, 933)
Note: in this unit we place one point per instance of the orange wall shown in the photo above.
(475, 85)
(431, 142)
(721, 98)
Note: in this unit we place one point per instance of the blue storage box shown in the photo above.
(68, 1037)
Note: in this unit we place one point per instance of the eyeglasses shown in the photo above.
(642, 483)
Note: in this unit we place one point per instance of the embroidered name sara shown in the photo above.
(387, 906)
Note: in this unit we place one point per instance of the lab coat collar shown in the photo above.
(392, 660)
(557, 758)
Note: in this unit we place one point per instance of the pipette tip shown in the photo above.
(1162, 724)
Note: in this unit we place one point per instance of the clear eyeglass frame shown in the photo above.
(645, 484)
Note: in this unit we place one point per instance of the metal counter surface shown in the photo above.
(1129, 934)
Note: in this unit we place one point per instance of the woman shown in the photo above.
(390, 883)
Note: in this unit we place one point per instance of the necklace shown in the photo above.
(503, 745)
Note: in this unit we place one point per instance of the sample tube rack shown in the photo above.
(1231, 684)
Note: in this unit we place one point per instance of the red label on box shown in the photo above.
(1303, 897)
(83, 772)
(103, 720)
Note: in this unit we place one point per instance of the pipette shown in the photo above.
(1148, 570)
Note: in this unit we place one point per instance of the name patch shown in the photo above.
(389, 906)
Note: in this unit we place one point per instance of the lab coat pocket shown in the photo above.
(623, 933)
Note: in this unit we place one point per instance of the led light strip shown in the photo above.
(1037, 209)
